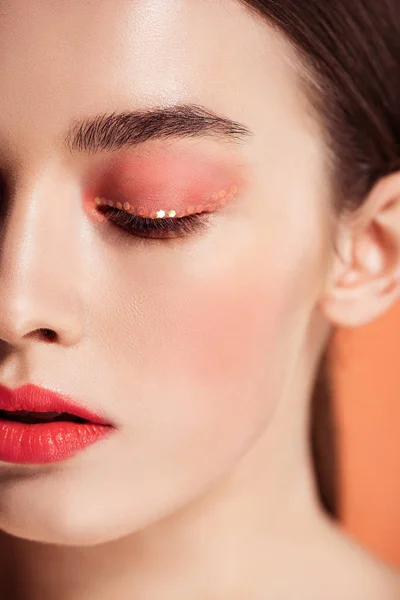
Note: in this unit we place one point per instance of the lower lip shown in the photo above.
(44, 443)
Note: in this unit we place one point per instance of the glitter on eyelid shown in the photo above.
(210, 203)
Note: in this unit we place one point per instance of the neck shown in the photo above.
(217, 540)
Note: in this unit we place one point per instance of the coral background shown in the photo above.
(366, 377)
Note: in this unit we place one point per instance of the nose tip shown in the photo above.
(35, 306)
(19, 332)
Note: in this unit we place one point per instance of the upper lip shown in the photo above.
(33, 398)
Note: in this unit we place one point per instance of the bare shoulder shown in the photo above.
(317, 560)
(356, 574)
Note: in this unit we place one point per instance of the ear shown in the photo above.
(365, 277)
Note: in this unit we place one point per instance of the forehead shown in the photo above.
(66, 59)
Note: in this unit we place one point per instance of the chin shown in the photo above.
(66, 530)
(67, 519)
(73, 518)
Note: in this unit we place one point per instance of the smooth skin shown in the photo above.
(203, 351)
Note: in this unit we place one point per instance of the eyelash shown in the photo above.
(158, 229)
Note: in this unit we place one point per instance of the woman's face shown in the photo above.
(184, 343)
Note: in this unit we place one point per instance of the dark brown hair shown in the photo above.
(350, 50)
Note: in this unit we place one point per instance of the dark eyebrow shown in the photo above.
(118, 130)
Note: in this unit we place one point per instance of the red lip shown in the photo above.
(39, 443)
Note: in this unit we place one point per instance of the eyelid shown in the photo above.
(211, 203)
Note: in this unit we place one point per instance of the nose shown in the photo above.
(39, 270)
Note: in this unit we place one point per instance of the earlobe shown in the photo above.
(365, 278)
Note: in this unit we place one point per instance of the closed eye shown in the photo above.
(162, 228)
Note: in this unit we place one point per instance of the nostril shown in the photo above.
(48, 334)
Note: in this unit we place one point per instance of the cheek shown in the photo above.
(221, 338)
(228, 326)
(238, 328)
(232, 321)
(193, 352)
